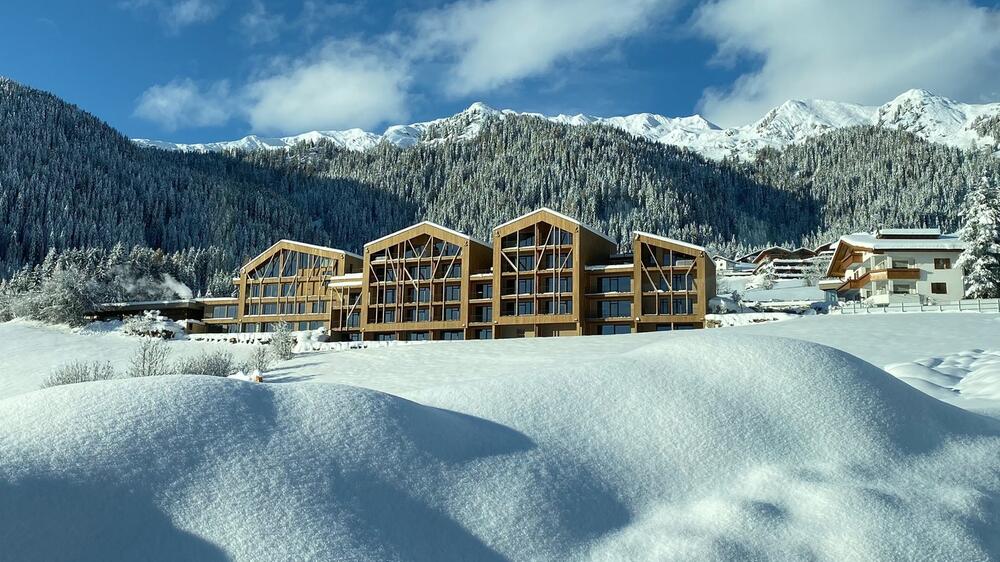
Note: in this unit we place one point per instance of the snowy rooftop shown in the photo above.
(908, 232)
(428, 223)
(694, 247)
(562, 216)
(872, 242)
(305, 245)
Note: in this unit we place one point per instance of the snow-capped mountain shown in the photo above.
(935, 118)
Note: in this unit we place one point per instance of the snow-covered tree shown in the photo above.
(981, 234)
(283, 341)
(765, 278)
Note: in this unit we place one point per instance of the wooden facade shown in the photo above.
(545, 274)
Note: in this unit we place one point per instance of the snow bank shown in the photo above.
(666, 449)
(969, 379)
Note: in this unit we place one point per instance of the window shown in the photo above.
(319, 307)
(250, 328)
(390, 296)
(485, 291)
(681, 306)
(455, 272)
(424, 294)
(271, 290)
(288, 289)
(484, 334)
(253, 309)
(354, 336)
(386, 337)
(525, 286)
(390, 275)
(224, 311)
(901, 288)
(423, 315)
(268, 327)
(681, 282)
(446, 249)
(565, 307)
(527, 240)
(452, 336)
(942, 263)
(905, 264)
(418, 336)
(612, 329)
(255, 290)
(303, 326)
(664, 327)
(615, 309)
(485, 314)
(288, 308)
(939, 288)
(547, 261)
(301, 307)
(453, 292)
(420, 272)
(269, 308)
(390, 316)
(564, 237)
(316, 325)
(353, 320)
(451, 313)
(615, 284)
(526, 263)
(525, 308)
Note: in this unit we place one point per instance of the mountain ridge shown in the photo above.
(935, 118)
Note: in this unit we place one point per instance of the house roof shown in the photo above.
(908, 232)
(872, 242)
(688, 245)
(563, 217)
(431, 224)
(304, 245)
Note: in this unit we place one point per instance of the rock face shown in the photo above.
(932, 117)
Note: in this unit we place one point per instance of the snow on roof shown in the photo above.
(902, 232)
(694, 247)
(428, 223)
(306, 245)
(563, 217)
(870, 241)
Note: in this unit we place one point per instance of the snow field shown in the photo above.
(650, 448)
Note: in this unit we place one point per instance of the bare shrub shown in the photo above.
(80, 371)
(217, 363)
(150, 359)
(261, 360)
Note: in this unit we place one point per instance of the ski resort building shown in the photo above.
(543, 274)
(898, 265)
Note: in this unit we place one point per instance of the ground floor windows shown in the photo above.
(483, 334)
(612, 329)
(385, 337)
(418, 336)
(452, 335)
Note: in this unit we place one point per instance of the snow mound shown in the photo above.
(970, 378)
(669, 450)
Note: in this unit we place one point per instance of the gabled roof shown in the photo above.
(688, 245)
(302, 245)
(566, 218)
(432, 225)
(872, 242)
(907, 232)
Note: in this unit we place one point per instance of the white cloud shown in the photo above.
(850, 50)
(343, 84)
(490, 43)
(176, 14)
(261, 26)
(182, 103)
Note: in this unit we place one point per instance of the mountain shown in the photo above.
(934, 118)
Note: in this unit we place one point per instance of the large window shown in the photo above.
(681, 282)
(484, 334)
(224, 311)
(452, 292)
(455, 272)
(319, 307)
(423, 315)
(353, 320)
(255, 290)
(680, 306)
(615, 309)
(564, 306)
(485, 291)
(526, 263)
(612, 329)
(485, 314)
(419, 336)
(269, 308)
(385, 337)
(288, 289)
(271, 290)
(525, 308)
(942, 263)
(451, 313)
(527, 240)
(424, 294)
(390, 316)
(420, 272)
(390, 296)
(452, 335)
(621, 284)
(525, 286)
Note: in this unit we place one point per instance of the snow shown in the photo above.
(934, 118)
(968, 379)
(663, 449)
(784, 290)
(870, 241)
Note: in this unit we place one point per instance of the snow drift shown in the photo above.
(666, 451)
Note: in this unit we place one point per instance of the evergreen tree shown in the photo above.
(981, 234)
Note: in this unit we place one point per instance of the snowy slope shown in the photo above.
(932, 117)
(665, 450)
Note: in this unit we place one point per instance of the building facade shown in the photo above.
(543, 274)
(898, 266)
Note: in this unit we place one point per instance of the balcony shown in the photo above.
(863, 276)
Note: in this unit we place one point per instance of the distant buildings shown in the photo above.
(897, 265)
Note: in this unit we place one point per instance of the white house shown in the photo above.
(910, 265)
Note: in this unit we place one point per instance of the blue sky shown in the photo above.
(202, 70)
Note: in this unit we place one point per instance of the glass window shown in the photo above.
(612, 329)
(525, 286)
(485, 314)
(527, 240)
(271, 290)
(526, 263)
(484, 334)
(455, 272)
(451, 313)
(390, 296)
(250, 328)
(288, 289)
(681, 306)
(303, 326)
(423, 315)
(354, 320)
(452, 335)
(939, 288)
(255, 290)
(390, 316)
(418, 336)
(291, 264)
(565, 306)
(547, 261)
(269, 308)
(316, 325)
(386, 337)
(615, 284)
(452, 292)
(681, 282)
(319, 307)
(224, 311)
(525, 308)
(564, 237)
(252, 309)
(424, 294)
(613, 309)
(942, 263)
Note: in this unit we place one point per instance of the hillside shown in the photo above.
(68, 180)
